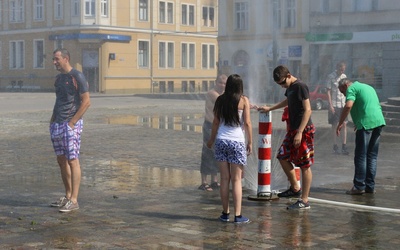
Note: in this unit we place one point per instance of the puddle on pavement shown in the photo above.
(170, 122)
(125, 177)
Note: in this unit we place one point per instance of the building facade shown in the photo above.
(310, 37)
(122, 46)
(257, 35)
(364, 34)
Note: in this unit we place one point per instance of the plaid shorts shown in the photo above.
(303, 156)
(66, 141)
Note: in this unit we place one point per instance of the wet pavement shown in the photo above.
(140, 172)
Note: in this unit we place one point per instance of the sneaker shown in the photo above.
(299, 205)
(344, 150)
(336, 149)
(355, 191)
(290, 193)
(370, 191)
(69, 207)
(224, 217)
(241, 219)
(60, 202)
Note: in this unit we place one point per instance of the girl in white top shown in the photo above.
(230, 125)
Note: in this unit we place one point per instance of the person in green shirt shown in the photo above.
(363, 104)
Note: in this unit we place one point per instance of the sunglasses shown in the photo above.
(283, 82)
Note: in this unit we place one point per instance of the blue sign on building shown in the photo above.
(295, 51)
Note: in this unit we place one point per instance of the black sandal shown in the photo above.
(215, 185)
(205, 187)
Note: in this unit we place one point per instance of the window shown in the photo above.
(184, 55)
(170, 55)
(290, 14)
(325, 6)
(184, 88)
(188, 53)
(277, 14)
(166, 12)
(208, 56)
(208, 16)
(192, 86)
(162, 12)
(143, 56)
(90, 7)
(16, 11)
(104, 8)
(191, 15)
(170, 86)
(143, 10)
(166, 55)
(162, 87)
(187, 14)
(38, 54)
(242, 15)
(38, 10)
(17, 54)
(58, 9)
(75, 7)
(204, 86)
(170, 12)
(192, 54)
(365, 5)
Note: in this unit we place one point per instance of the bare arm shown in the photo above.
(304, 120)
(210, 102)
(265, 109)
(328, 92)
(247, 125)
(214, 130)
(85, 103)
(343, 115)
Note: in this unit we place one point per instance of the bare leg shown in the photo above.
(290, 173)
(203, 178)
(214, 178)
(236, 175)
(65, 174)
(306, 183)
(75, 179)
(224, 189)
(334, 135)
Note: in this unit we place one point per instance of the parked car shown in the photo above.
(319, 97)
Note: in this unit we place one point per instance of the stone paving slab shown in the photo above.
(139, 185)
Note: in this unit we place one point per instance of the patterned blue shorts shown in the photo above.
(66, 141)
(230, 151)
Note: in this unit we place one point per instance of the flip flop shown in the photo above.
(205, 187)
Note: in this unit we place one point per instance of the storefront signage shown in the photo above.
(355, 37)
(104, 37)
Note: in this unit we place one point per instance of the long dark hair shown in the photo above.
(226, 105)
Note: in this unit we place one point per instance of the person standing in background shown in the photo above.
(66, 124)
(208, 165)
(363, 104)
(336, 104)
(232, 134)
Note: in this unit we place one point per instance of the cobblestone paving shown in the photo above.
(140, 161)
